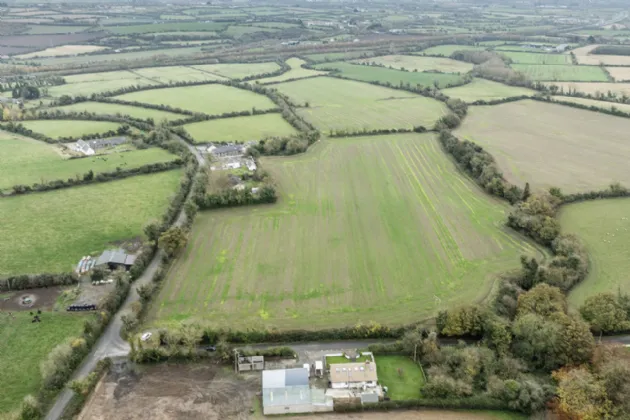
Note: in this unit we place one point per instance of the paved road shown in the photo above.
(110, 344)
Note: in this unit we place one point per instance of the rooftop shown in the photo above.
(353, 372)
(286, 387)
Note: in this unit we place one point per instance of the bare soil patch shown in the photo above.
(404, 415)
(174, 391)
(43, 298)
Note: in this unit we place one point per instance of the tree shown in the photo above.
(581, 395)
(152, 230)
(173, 240)
(526, 192)
(542, 300)
(190, 208)
(604, 313)
(464, 320)
(30, 409)
(98, 274)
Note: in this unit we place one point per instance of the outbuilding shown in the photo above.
(115, 258)
(288, 391)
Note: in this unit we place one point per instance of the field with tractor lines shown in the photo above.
(361, 106)
(526, 138)
(381, 228)
(562, 72)
(487, 90)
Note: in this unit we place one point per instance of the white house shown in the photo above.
(353, 375)
(82, 147)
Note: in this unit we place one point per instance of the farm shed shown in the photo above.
(82, 147)
(288, 391)
(353, 375)
(115, 258)
(250, 363)
(223, 151)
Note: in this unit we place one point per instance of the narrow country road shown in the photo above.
(110, 344)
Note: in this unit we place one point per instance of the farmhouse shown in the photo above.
(223, 151)
(353, 375)
(103, 143)
(82, 147)
(288, 391)
(115, 258)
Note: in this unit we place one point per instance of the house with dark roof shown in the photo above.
(115, 258)
(224, 151)
(103, 143)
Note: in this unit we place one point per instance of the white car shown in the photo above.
(146, 336)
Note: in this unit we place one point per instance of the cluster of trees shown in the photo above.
(90, 178)
(607, 312)
(292, 145)
(611, 50)
(493, 66)
(481, 166)
(233, 197)
(34, 281)
(375, 132)
(25, 92)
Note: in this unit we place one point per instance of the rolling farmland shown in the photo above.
(367, 73)
(210, 99)
(62, 50)
(594, 103)
(240, 129)
(69, 128)
(447, 50)
(238, 70)
(137, 112)
(604, 227)
(414, 62)
(594, 89)
(487, 90)
(537, 58)
(366, 228)
(593, 146)
(26, 161)
(86, 84)
(542, 72)
(66, 224)
(165, 75)
(296, 72)
(361, 106)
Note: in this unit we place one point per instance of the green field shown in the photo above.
(164, 27)
(447, 50)
(609, 106)
(129, 55)
(238, 70)
(296, 72)
(240, 129)
(238, 31)
(404, 386)
(88, 83)
(24, 345)
(537, 58)
(414, 62)
(55, 29)
(210, 99)
(69, 128)
(366, 228)
(51, 231)
(566, 73)
(103, 108)
(318, 58)
(165, 75)
(487, 90)
(361, 105)
(604, 227)
(367, 73)
(26, 161)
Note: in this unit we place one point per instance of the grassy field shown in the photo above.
(238, 70)
(296, 72)
(65, 128)
(620, 74)
(487, 90)
(208, 99)
(26, 161)
(62, 50)
(126, 56)
(318, 58)
(400, 387)
(537, 58)
(165, 27)
(604, 227)
(115, 109)
(240, 129)
(24, 345)
(366, 228)
(51, 231)
(447, 50)
(88, 83)
(55, 29)
(541, 72)
(165, 75)
(361, 106)
(527, 137)
(238, 31)
(594, 89)
(414, 62)
(367, 73)
(592, 102)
